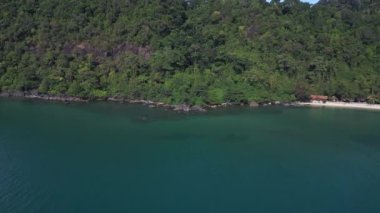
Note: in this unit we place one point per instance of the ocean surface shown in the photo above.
(104, 157)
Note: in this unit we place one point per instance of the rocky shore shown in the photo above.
(42, 97)
(152, 104)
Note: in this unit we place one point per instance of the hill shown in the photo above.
(192, 51)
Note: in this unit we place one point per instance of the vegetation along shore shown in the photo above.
(194, 108)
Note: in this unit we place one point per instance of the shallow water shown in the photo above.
(106, 157)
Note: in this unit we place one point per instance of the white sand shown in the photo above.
(341, 105)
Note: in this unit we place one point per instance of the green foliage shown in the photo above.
(193, 52)
(216, 95)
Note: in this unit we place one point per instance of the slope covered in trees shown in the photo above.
(193, 51)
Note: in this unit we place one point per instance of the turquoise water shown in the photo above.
(106, 157)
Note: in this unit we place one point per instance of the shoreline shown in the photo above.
(187, 107)
(347, 105)
(152, 104)
(115, 99)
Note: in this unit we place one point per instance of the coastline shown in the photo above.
(152, 104)
(115, 99)
(187, 107)
(331, 104)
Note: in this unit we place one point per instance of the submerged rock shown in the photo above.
(142, 118)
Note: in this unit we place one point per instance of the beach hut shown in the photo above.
(318, 98)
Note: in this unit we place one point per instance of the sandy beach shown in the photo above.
(341, 105)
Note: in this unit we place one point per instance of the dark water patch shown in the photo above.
(235, 138)
(370, 140)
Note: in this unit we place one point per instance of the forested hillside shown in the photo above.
(194, 51)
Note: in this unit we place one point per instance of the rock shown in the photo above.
(333, 98)
(18, 94)
(34, 92)
(5, 94)
(182, 107)
(197, 108)
(115, 99)
(149, 102)
(253, 104)
(277, 102)
(32, 96)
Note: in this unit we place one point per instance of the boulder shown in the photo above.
(34, 92)
(115, 99)
(253, 104)
(5, 94)
(18, 94)
(333, 98)
(182, 107)
(197, 108)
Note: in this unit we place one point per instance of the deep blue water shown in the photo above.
(105, 157)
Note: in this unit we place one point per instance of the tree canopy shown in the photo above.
(191, 51)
